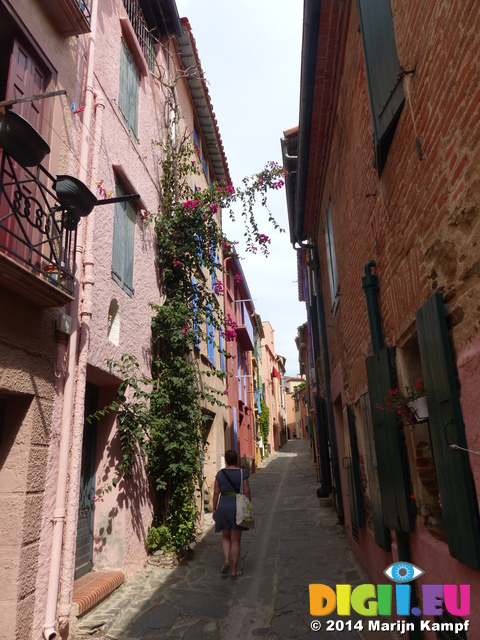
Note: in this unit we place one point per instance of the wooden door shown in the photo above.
(86, 507)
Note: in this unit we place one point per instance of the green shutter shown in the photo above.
(354, 482)
(391, 459)
(129, 88)
(457, 491)
(123, 252)
(130, 218)
(382, 534)
(382, 68)
(118, 253)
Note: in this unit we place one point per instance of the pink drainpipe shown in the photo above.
(68, 564)
(58, 519)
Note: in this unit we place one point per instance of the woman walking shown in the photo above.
(227, 485)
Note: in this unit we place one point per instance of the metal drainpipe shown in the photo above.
(326, 368)
(88, 281)
(370, 286)
(49, 631)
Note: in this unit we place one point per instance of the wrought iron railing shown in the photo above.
(35, 229)
(144, 37)
(85, 7)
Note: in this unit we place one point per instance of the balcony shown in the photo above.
(71, 17)
(37, 236)
(245, 327)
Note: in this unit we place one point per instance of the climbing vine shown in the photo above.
(264, 422)
(162, 418)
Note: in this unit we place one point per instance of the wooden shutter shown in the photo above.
(382, 67)
(123, 253)
(331, 258)
(130, 218)
(382, 534)
(118, 254)
(391, 460)
(457, 490)
(129, 88)
(354, 484)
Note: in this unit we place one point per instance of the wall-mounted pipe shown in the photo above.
(49, 631)
(370, 286)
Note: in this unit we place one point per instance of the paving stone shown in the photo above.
(297, 542)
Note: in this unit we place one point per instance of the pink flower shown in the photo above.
(213, 208)
(185, 329)
(177, 263)
(218, 288)
(225, 392)
(230, 189)
(237, 277)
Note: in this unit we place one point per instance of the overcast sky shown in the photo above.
(250, 56)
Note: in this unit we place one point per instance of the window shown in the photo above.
(332, 260)
(382, 69)
(123, 243)
(129, 89)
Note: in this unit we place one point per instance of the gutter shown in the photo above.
(311, 25)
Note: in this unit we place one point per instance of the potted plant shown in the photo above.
(410, 405)
(21, 140)
(74, 195)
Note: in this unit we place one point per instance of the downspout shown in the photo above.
(58, 519)
(88, 282)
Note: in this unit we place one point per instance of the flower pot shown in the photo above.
(21, 141)
(74, 195)
(420, 408)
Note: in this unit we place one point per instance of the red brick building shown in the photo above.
(383, 196)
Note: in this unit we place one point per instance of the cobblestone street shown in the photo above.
(296, 542)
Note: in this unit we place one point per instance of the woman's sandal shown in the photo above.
(225, 569)
(237, 575)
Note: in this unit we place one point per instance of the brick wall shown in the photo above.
(420, 220)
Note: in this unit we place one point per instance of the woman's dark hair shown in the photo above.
(231, 457)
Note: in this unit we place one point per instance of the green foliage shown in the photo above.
(159, 538)
(264, 422)
(161, 418)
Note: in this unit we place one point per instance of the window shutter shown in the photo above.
(118, 267)
(382, 67)
(354, 483)
(331, 259)
(130, 217)
(382, 534)
(457, 490)
(391, 461)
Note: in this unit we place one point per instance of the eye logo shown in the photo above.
(403, 572)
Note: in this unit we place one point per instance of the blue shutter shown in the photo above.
(382, 68)
(198, 340)
(210, 336)
(221, 347)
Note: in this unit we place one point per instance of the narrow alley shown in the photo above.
(296, 542)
